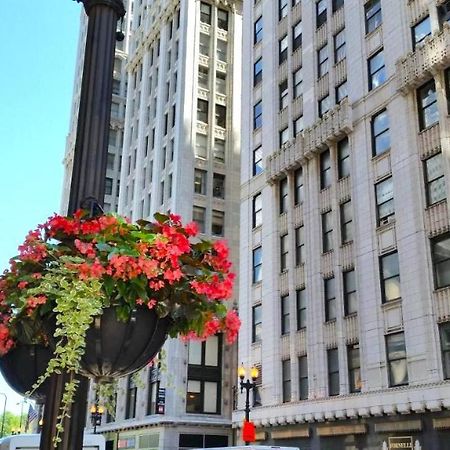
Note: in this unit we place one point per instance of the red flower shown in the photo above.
(191, 229)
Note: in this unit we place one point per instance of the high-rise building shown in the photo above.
(345, 231)
(175, 126)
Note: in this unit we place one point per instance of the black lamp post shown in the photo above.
(87, 188)
(247, 385)
(96, 416)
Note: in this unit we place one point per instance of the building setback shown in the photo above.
(175, 146)
(345, 243)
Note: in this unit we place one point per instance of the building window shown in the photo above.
(298, 125)
(284, 252)
(221, 83)
(202, 110)
(333, 371)
(301, 308)
(222, 19)
(343, 151)
(377, 70)
(257, 72)
(108, 186)
(284, 136)
(219, 150)
(282, 49)
(130, 412)
(204, 376)
(258, 31)
(298, 80)
(218, 185)
(256, 323)
(350, 298)
(444, 12)
(396, 359)
(204, 44)
(153, 387)
(257, 115)
(221, 50)
(203, 77)
(354, 368)
(257, 265)
(303, 377)
(257, 210)
(337, 4)
(282, 9)
(298, 187)
(346, 222)
(286, 377)
(217, 223)
(322, 57)
(381, 138)
(330, 299)
(283, 195)
(297, 36)
(444, 331)
(390, 277)
(257, 161)
(440, 254)
(325, 169)
(420, 31)
(427, 105)
(324, 105)
(373, 15)
(385, 201)
(299, 246)
(341, 92)
(285, 316)
(435, 179)
(321, 12)
(200, 146)
(447, 87)
(221, 116)
(199, 216)
(283, 94)
(200, 181)
(327, 231)
(339, 46)
(205, 13)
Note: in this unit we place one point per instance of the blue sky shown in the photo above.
(38, 52)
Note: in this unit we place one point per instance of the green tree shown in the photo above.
(13, 423)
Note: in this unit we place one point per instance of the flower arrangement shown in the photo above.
(72, 268)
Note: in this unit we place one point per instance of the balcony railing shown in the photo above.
(418, 66)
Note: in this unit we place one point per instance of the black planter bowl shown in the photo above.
(115, 348)
(23, 365)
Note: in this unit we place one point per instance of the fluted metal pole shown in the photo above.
(88, 183)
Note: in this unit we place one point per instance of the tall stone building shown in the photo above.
(345, 231)
(175, 146)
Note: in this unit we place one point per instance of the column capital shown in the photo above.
(117, 5)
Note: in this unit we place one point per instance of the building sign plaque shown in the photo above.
(161, 401)
(401, 442)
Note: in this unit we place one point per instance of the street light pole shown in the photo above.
(87, 184)
(248, 386)
(2, 431)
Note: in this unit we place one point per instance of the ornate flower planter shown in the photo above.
(115, 348)
(23, 365)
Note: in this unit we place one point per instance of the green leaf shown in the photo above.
(161, 218)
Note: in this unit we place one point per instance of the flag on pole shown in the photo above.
(31, 416)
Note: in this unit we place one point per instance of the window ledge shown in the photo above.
(392, 303)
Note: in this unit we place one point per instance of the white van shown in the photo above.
(31, 442)
(253, 447)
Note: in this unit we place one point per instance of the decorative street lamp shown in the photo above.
(247, 385)
(96, 416)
